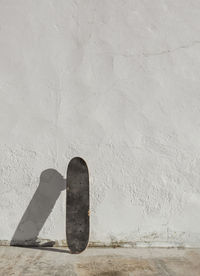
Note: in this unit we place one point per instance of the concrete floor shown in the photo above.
(99, 261)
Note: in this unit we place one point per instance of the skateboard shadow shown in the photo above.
(52, 249)
(50, 187)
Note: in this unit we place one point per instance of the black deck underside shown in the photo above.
(77, 213)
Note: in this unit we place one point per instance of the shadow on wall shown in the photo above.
(51, 185)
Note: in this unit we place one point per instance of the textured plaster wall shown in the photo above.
(117, 83)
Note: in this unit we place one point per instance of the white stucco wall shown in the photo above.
(118, 84)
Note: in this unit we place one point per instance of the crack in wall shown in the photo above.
(168, 51)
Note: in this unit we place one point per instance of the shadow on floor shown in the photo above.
(52, 249)
(50, 187)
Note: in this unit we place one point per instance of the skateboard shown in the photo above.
(77, 205)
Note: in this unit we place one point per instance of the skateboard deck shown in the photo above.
(77, 207)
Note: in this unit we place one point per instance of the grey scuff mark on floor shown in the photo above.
(162, 268)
